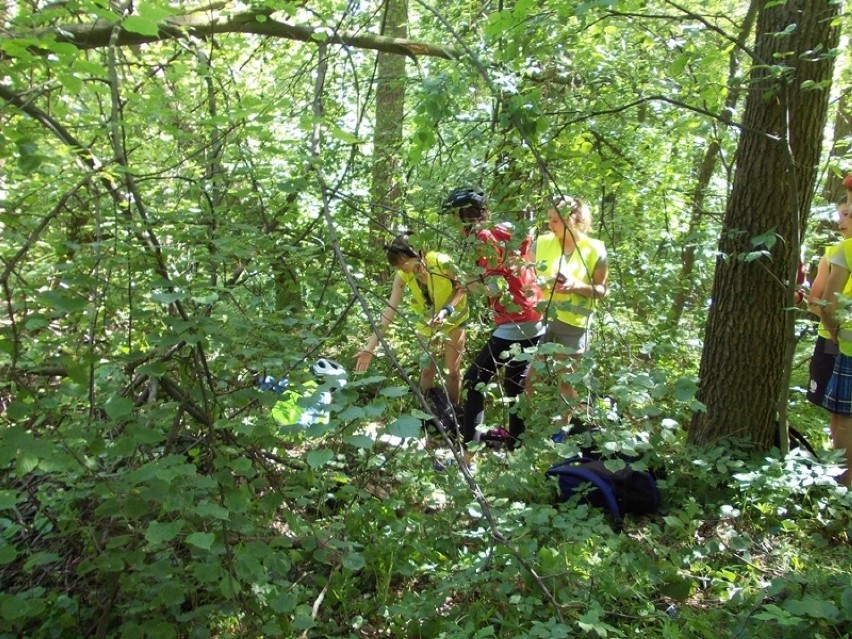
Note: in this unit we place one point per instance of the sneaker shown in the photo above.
(495, 437)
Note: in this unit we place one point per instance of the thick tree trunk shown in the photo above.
(743, 362)
(386, 191)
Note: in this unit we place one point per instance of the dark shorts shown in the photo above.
(838, 391)
(822, 365)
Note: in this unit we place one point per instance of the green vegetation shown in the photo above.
(182, 216)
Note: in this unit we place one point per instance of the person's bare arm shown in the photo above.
(365, 355)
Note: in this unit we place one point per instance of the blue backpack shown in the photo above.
(621, 492)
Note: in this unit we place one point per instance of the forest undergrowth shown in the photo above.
(136, 522)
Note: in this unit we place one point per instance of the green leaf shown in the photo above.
(685, 389)
(63, 302)
(354, 561)
(394, 391)
(846, 602)
(138, 24)
(813, 608)
(8, 554)
(284, 603)
(677, 588)
(40, 559)
(320, 457)
(8, 499)
(26, 463)
(405, 426)
(208, 298)
(201, 540)
(118, 407)
(614, 465)
(678, 65)
(766, 240)
(343, 136)
(162, 532)
(214, 511)
(154, 369)
(360, 441)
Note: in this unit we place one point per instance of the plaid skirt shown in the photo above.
(838, 392)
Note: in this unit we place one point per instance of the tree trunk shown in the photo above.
(743, 363)
(386, 191)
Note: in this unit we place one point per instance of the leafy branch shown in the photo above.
(98, 34)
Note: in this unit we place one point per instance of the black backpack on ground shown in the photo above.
(621, 492)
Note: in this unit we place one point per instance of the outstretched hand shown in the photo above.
(362, 361)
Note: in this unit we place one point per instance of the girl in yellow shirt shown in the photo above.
(439, 305)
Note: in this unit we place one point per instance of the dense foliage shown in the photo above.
(183, 217)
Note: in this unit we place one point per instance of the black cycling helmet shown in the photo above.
(466, 201)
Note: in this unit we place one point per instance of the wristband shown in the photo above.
(449, 308)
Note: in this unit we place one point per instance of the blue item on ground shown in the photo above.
(621, 492)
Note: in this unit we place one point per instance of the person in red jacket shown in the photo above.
(509, 280)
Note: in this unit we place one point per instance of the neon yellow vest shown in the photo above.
(844, 334)
(822, 331)
(571, 308)
(440, 288)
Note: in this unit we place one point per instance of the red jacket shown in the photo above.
(498, 259)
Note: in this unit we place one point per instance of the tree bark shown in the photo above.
(386, 191)
(743, 362)
(96, 35)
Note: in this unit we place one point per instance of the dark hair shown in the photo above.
(469, 203)
(400, 250)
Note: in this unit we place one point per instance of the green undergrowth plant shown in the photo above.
(136, 521)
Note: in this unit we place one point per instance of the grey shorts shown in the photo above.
(572, 337)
